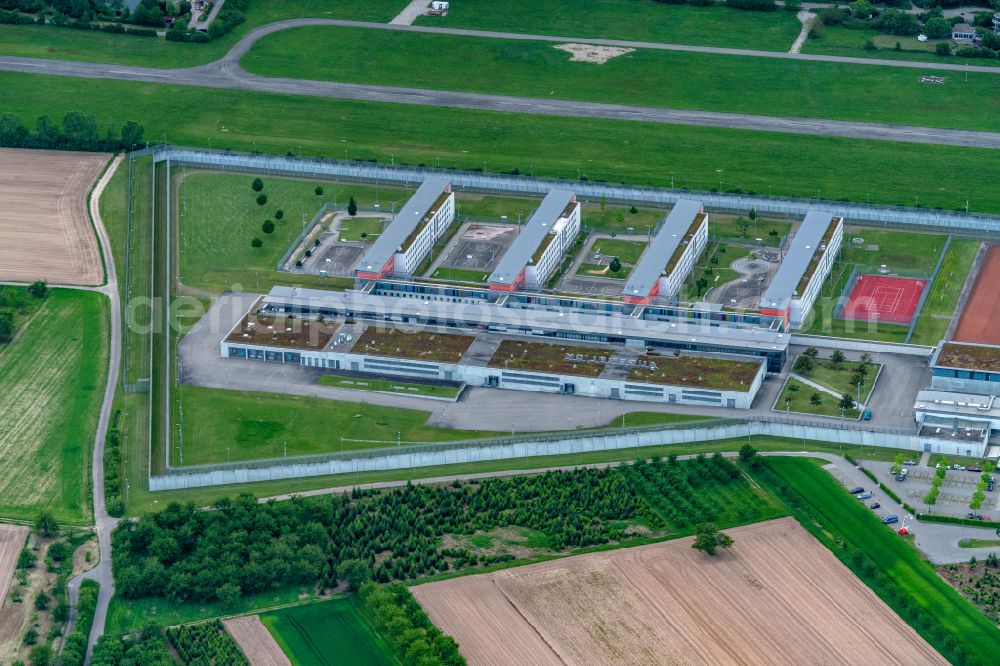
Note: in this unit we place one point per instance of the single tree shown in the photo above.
(46, 524)
(267, 227)
(352, 207)
(256, 243)
(846, 402)
(354, 572)
(319, 190)
(803, 365)
(615, 265)
(38, 289)
(261, 199)
(837, 358)
(816, 400)
(279, 214)
(811, 352)
(229, 594)
(257, 185)
(793, 388)
(708, 539)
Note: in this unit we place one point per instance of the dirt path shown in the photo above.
(807, 18)
(410, 12)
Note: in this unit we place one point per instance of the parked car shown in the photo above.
(901, 477)
(960, 468)
(864, 496)
(974, 516)
(874, 505)
(857, 490)
(867, 416)
(975, 469)
(904, 472)
(889, 520)
(909, 462)
(990, 485)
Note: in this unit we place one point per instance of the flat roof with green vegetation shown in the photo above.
(701, 371)
(699, 219)
(294, 333)
(547, 357)
(417, 345)
(739, 84)
(818, 254)
(969, 357)
(428, 216)
(53, 377)
(616, 151)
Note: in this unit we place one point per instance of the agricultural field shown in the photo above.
(667, 602)
(219, 216)
(620, 19)
(53, 377)
(12, 538)
(890, 566)
(711, 82)
(253, 638)
(43, 217)
(94, 46)
(327, 633)
(638, 153)
(210, 643)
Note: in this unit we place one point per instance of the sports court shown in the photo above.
(981, 315)
(479, 247)
(884, 298)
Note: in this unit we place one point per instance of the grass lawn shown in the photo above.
(978, 543)
(725, 228)
(716, 258)
(838, 378)
(617, 151)
(53, 376)
(705, 81)
(841, 41)
(948, 284)
(311, 634)
(127, 615)
(799, 401)
(603, 271)
(221, 425)
(361, 228)
(460, 274)
(644, 20)
(891, 566)
(388, 386)
(628, 252)
(92, 46)
(220, 217)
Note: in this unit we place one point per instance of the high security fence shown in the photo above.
(543, 444)
(392, 174)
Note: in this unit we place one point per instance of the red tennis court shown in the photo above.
(889, 299)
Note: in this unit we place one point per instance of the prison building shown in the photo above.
(966, 367)
(670, 257)
(535, 254)
(806, 265)
(412, 233)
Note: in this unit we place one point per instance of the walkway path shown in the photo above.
(807, 18)
(227, 74)
(104, 523)
(411, 12)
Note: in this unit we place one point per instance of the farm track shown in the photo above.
(229, 75)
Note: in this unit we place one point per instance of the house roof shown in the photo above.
(962, 27)
(541, 222)
(803, 246)
(402, 225)
(647, 272)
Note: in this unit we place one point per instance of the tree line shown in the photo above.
(78, 131)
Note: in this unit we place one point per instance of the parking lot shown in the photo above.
(955, 494)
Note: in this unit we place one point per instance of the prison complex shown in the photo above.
(804, 268)
(535, 254)
(411, 234)
(671, 256)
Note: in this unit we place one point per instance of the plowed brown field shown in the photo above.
(44, 224)
(778, 597)
(256, 641)
(11, 542)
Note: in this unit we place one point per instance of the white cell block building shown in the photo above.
(412, 233)
(536, 252)
(806, 265)
(670, 258)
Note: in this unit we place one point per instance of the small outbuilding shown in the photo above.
(963, 33)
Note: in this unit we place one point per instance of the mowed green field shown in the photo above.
(941, 302)
(327, 633)
(617, 151)
(842, 41)
(639, 20)
(92, 46)
(221, 425)
(53, 379)
(220, 216)
(892, 567)
(673, 79)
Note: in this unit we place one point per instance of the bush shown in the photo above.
(256, 243)
(793, 5)
(870, 45)
(943, 49)
(975, 52)
(831, 16)
(752, 5)
(937, 27)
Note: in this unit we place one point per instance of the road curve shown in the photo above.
(227, 74)
(104, 523)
